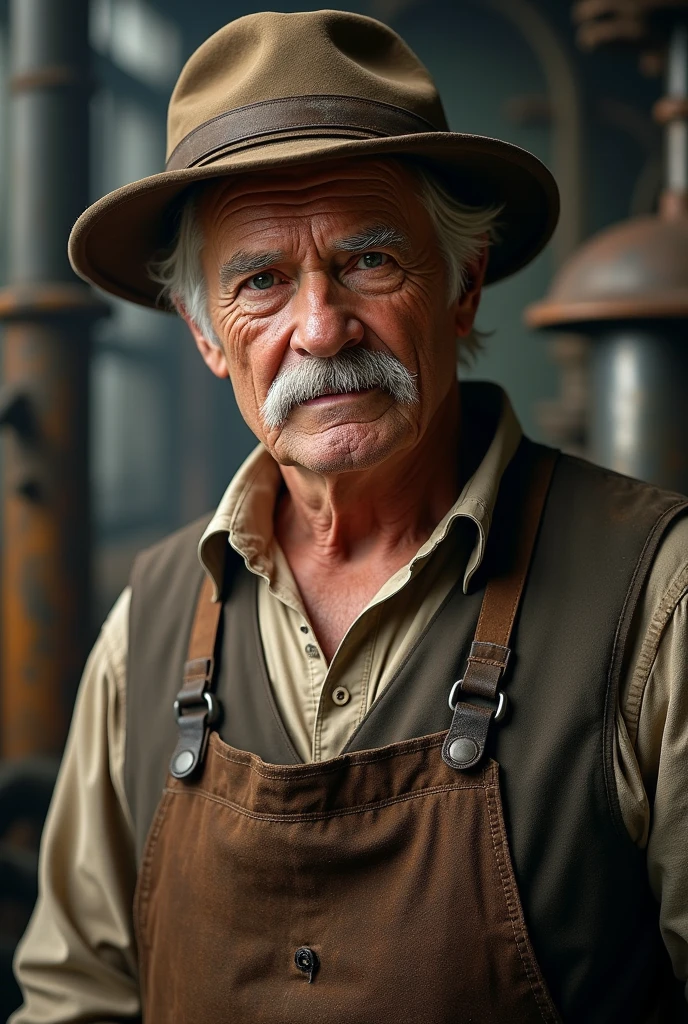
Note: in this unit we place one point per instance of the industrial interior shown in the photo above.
(114, 433)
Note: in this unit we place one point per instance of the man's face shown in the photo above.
(313, 262)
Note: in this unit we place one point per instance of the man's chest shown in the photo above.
(334, 597)
(322, 694)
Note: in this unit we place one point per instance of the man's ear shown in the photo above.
(213, 355)
(467, 304)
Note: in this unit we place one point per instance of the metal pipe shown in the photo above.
(638, 408)
(47, 314)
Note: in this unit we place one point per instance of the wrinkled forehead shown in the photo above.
(349, 193)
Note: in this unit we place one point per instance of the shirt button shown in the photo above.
(312, 651)
(341, 696)
(304, 629)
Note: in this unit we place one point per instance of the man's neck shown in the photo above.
(345, 537)
(389, 508)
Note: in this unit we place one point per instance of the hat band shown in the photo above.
(347, 115)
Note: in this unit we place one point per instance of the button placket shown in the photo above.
(317, 670)
(338, 719)
(365, 682)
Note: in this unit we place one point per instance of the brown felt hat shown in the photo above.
(274, 90)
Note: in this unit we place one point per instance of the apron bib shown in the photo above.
(387, 871)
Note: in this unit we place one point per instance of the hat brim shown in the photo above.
(113, 241)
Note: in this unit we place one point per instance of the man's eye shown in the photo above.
(259, 282)
(370, 260)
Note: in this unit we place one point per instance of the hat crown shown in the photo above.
(268, 56)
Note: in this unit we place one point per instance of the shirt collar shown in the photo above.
(491, 434)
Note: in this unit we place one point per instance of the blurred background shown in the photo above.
(114, 433)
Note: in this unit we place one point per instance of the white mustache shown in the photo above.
(352, 369)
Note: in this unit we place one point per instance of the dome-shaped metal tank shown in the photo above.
(637, 270)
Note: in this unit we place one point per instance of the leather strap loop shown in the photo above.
(486, 665)
(196, 707)
(344, 116)
(465, 742)
(464, 745)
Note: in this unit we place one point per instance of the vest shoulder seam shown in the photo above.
(657, 531)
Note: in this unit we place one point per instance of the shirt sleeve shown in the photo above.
(652, 739)
(77, 960)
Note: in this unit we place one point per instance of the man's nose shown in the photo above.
(324, 321)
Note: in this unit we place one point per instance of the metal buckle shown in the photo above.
(502, 701)
(212, 704)
(453, 700)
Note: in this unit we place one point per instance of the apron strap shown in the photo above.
(464, 745)
(196, 706)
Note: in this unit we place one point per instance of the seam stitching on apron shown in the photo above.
(513, 909)
(319, 815)
(319, 769)
(142, 901)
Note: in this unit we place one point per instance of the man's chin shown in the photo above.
(343, 448)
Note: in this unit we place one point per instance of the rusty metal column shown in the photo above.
(44, 400)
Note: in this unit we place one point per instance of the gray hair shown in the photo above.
(462, 231)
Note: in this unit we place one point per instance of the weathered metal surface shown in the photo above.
(638, 407)
(45, 568)
(40, 301)
(635, 270)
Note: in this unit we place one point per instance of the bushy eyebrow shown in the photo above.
(243, 262)
(377, 237)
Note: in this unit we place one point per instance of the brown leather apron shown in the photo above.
(372, 888)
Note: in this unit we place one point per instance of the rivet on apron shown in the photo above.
(307, 961)
(463, 750)
(183, 761)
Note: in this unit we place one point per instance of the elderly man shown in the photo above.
(399, 735)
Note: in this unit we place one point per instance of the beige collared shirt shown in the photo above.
(78, 960)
